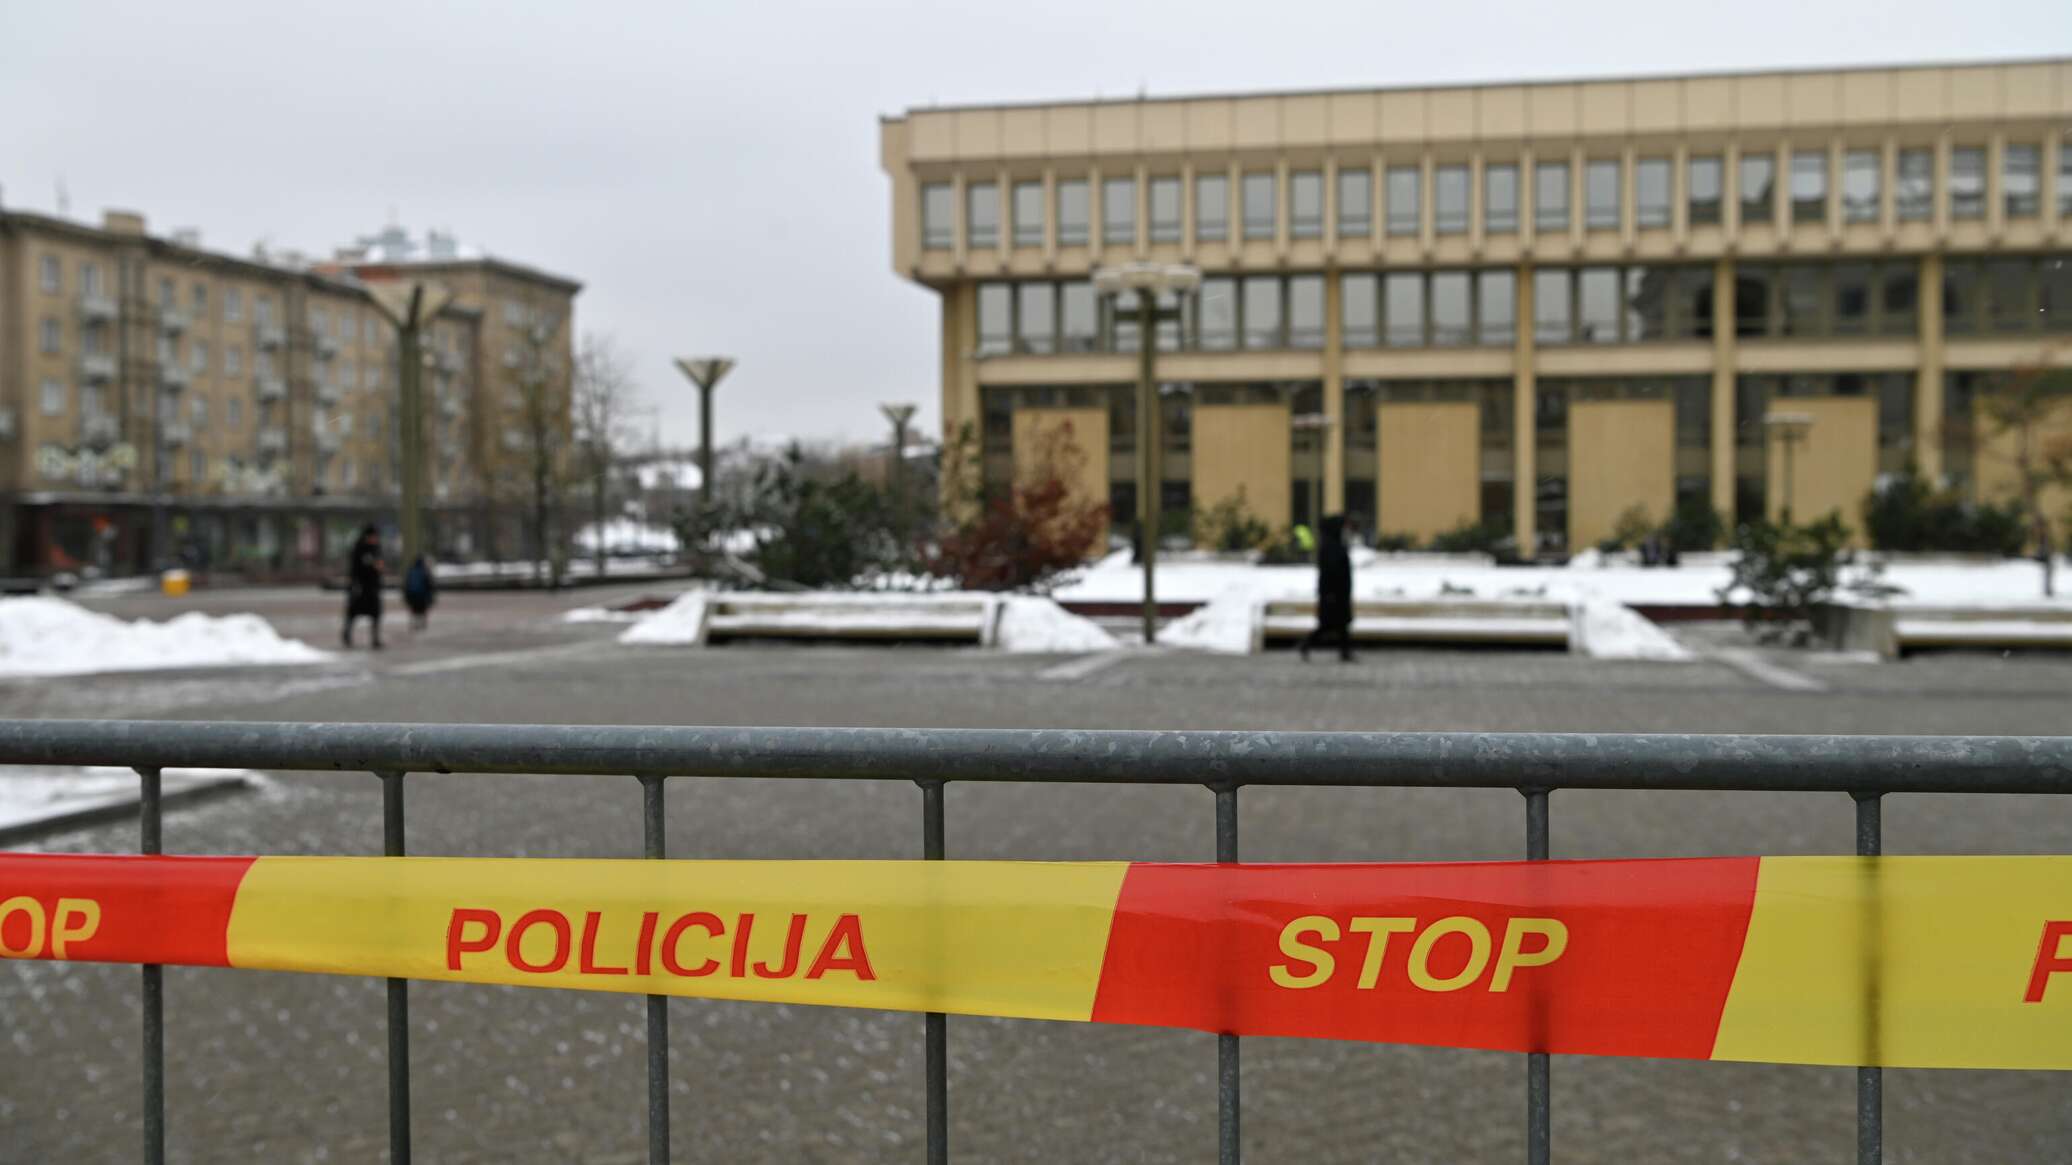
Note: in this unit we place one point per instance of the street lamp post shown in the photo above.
(895, 476)
(705, 372)
(1791, 429)
(1149, 281)
(410, 307)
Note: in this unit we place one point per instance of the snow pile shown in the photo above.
(1223, 624)
(677, 624)
(1030, 624)
(33, 797)
(602, 615)
(1603, 629)
(52, 637)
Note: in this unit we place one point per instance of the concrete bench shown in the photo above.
(1891, 631)
(1498, 622)
(946, 618)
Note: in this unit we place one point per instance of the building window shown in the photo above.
(938, 225)
(1306, 311)
(234, 412)
(200, 412)
(1165, 210)
(1216, 311)
(2011, 295)
(165, 294)
(200, 298)
(1306, 204)
(1852, 298)
(1598, 303)
(1913, 187)
(233, 360)
(1405, 215)
(1497, 306)
(89, 279)
(1601, 195)
(982, 215)
(1035, 318)
(1706, 178)
(90, 338)
(1453, 321)
(53, 398)
(370, 375)
(345, 325)
(52, 336)
(1450, 200)
(51, 275)
(1758, 187)
(1257, 207)
(1968, 183)
(1651, 192)
(1074, 211)
(1809, 186)
(233, 305)
(198, 465)
(1860, 185)
(1802, 296)
(1028, 214)
(1359, 310)
(1550, 196)
(1212, 208)
(2021, 180)
(1355, 203)
(1403, 310)
(995, 318)
(1500, 198)
(262, 311)
(2065, 180)
(198, 355)
(1262, 308)
(1550, 306)
(1119, 211)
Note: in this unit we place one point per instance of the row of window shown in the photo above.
(1570, 305)
(1859, 186)
(322, 321)
(93, 402)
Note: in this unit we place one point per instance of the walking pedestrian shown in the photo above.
(419, 592)
(363, 585)
(1334, 591)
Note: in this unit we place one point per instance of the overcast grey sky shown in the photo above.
(709, 171)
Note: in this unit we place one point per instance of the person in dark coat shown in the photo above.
(1334, 591)
(363, 585)
(419, 592)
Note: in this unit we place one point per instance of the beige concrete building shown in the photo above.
(1539, 305)
(159, 400)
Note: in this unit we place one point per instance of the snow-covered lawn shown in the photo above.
(36, 797)
(51, 637)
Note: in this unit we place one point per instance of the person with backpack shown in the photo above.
(419, 592)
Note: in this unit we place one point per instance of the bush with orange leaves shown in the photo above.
(1024, 536)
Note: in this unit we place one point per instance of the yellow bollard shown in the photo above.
(174, 583)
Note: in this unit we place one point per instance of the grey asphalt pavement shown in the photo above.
(275, 1067)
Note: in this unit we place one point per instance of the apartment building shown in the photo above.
(1540, 305)
(160, 401)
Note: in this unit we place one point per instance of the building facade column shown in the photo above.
(1525, 494)
(1723, 443)
(1334, 393)
(960, 399)
(1928, 380)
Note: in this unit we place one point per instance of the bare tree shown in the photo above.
(541, 380)
(600, 415)
(2024, 407)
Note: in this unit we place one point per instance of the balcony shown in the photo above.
(449, 362)
(97, 367)
(273, 441)
(95, 308)
(450, 406)
(269, 336)
(174, 376)
(172, 321)
(323, 345)
(268, 389)
(328, 440)
(328, 393)
(99, 430)
(175, 433)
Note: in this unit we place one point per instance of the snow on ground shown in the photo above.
(1603, 629)
(1034, 624)
(1194, 579)
(1223, 624)
(52, 637)
(602, 615)
(674, 625)
(49, 796)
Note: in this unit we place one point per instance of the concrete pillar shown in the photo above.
(1524, 431)
(960, 401)
(1928, 382)
(1334, 393)
(1723, 388)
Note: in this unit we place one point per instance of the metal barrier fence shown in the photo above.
(1867, 768)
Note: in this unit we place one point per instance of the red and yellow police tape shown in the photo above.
(1957, 962)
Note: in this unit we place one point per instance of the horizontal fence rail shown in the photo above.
(1534, 764)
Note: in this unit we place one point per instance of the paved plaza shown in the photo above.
(268, 1067)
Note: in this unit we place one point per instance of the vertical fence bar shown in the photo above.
(1870, 1082)
(1227, 1078)
(654, 844)
(398, 989)
(935, 1025)
(150, 840)
(1539, 1083)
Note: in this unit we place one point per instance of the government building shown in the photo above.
(161, 402)
(1538, 306)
